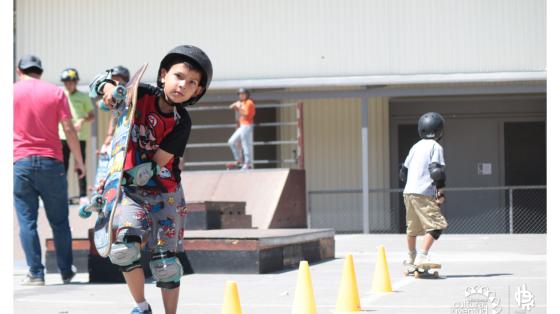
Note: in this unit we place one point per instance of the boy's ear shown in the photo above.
(162, 74)
(199, 90)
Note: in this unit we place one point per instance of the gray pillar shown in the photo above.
(365, 166)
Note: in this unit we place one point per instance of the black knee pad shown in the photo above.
(435, 233)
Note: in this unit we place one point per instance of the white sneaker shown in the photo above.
(424, 260)
(410, 259)
(246, 167)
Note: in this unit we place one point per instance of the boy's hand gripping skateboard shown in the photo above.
(108, 187)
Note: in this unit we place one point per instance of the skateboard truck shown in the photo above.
(96, 204)
(119, 94)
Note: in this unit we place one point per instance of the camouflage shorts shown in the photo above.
(158, 219)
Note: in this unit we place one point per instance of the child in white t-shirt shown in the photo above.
(424, 174)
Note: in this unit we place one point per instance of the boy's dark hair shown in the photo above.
(176, 59)
(195, 59)
(32, 70)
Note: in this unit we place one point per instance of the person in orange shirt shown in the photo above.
(245, 108)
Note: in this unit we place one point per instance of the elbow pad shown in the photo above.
(437, 173)
(96, 86)
(403, 173)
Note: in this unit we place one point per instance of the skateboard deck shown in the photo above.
(423, 271)
(106, 203)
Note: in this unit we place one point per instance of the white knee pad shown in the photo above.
(125, 255)
(167, 270)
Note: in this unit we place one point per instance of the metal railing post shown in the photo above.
(365, 165)
(308, 214)
(299, 118)
(511, 210)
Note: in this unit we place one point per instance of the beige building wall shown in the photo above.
(255, 39)
(333, 159)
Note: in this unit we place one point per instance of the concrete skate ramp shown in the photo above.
(275, 198)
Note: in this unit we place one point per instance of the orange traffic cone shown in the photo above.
(304, 300)
(381, 277)
(348, 295)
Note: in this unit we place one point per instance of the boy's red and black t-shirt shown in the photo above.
(155, 129)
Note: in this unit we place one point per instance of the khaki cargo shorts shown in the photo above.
(422, 214)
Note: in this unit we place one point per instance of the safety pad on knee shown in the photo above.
(126, 254)
(435, 233)
(167, 270)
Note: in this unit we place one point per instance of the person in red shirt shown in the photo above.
(245, 108)
(153, 207)
(38, 166)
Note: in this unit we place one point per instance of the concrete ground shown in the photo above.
(483, 274)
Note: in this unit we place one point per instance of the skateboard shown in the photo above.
(105, 204)
(422, 271)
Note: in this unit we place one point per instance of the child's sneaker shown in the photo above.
(410, 259)
(137, 310)
(68, 278)
(31, 280)
(423, 259)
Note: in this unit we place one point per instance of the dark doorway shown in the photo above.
(525, 164)
(408, 136)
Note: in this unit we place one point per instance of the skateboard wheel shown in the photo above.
(405, 273)
(83, 212)
(436, 274)
(416, 274)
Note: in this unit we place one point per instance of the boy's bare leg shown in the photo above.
(170, 300)
(428, 242)
(411, 241)
(135, 281)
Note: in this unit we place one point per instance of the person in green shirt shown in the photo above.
(81, 108)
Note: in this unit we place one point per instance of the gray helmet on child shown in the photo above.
(69, 74)
(430, 126)
(196, 57)
(245, 91)
(121, 71)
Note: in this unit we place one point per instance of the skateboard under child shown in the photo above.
(422, 271)
(105, 204)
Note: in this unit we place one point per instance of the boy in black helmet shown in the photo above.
(424, 174)
(152, 211)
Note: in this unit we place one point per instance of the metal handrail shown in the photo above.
(206, 108)
(488, 188)
(204, 145)
(217, 163)
(233, 125)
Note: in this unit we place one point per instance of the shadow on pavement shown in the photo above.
(479, 275)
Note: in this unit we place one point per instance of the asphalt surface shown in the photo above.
(480, 274)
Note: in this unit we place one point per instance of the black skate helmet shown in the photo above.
(196, 57)
(121, 71)
(69, 74)
(244, 91)
(430, 126)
